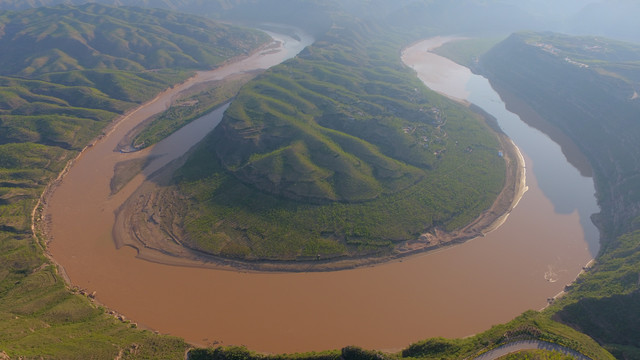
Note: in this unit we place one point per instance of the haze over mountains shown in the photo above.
(612, 18)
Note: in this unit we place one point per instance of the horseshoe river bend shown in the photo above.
(452, 292)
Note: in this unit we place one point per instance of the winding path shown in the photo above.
(521, 345)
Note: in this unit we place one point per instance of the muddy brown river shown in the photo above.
(454, 292)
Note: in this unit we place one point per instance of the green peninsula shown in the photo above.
(339, 153)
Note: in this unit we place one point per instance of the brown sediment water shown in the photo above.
(438, 73)
(452, 292)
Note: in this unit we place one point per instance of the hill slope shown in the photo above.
(92, 36)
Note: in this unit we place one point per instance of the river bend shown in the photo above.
(453, 292)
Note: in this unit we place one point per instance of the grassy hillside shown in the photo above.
(345, 150)
(588, 87)
(49, 113)
(605, 302)
(45, 40)
(69, 116)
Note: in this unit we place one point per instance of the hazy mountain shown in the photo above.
(613, 18)
(312, 15)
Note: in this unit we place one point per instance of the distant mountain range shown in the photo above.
(614, 18)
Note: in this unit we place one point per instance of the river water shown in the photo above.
(452, 292)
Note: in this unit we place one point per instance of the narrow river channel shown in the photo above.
(453, 292)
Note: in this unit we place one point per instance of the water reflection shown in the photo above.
(561, 182)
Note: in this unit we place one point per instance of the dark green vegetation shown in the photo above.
(606, 303)
(54, 109)
(587, 88)
(339, 152)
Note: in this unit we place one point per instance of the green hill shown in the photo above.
(71, 70)
(339, 152)
(69, 116)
